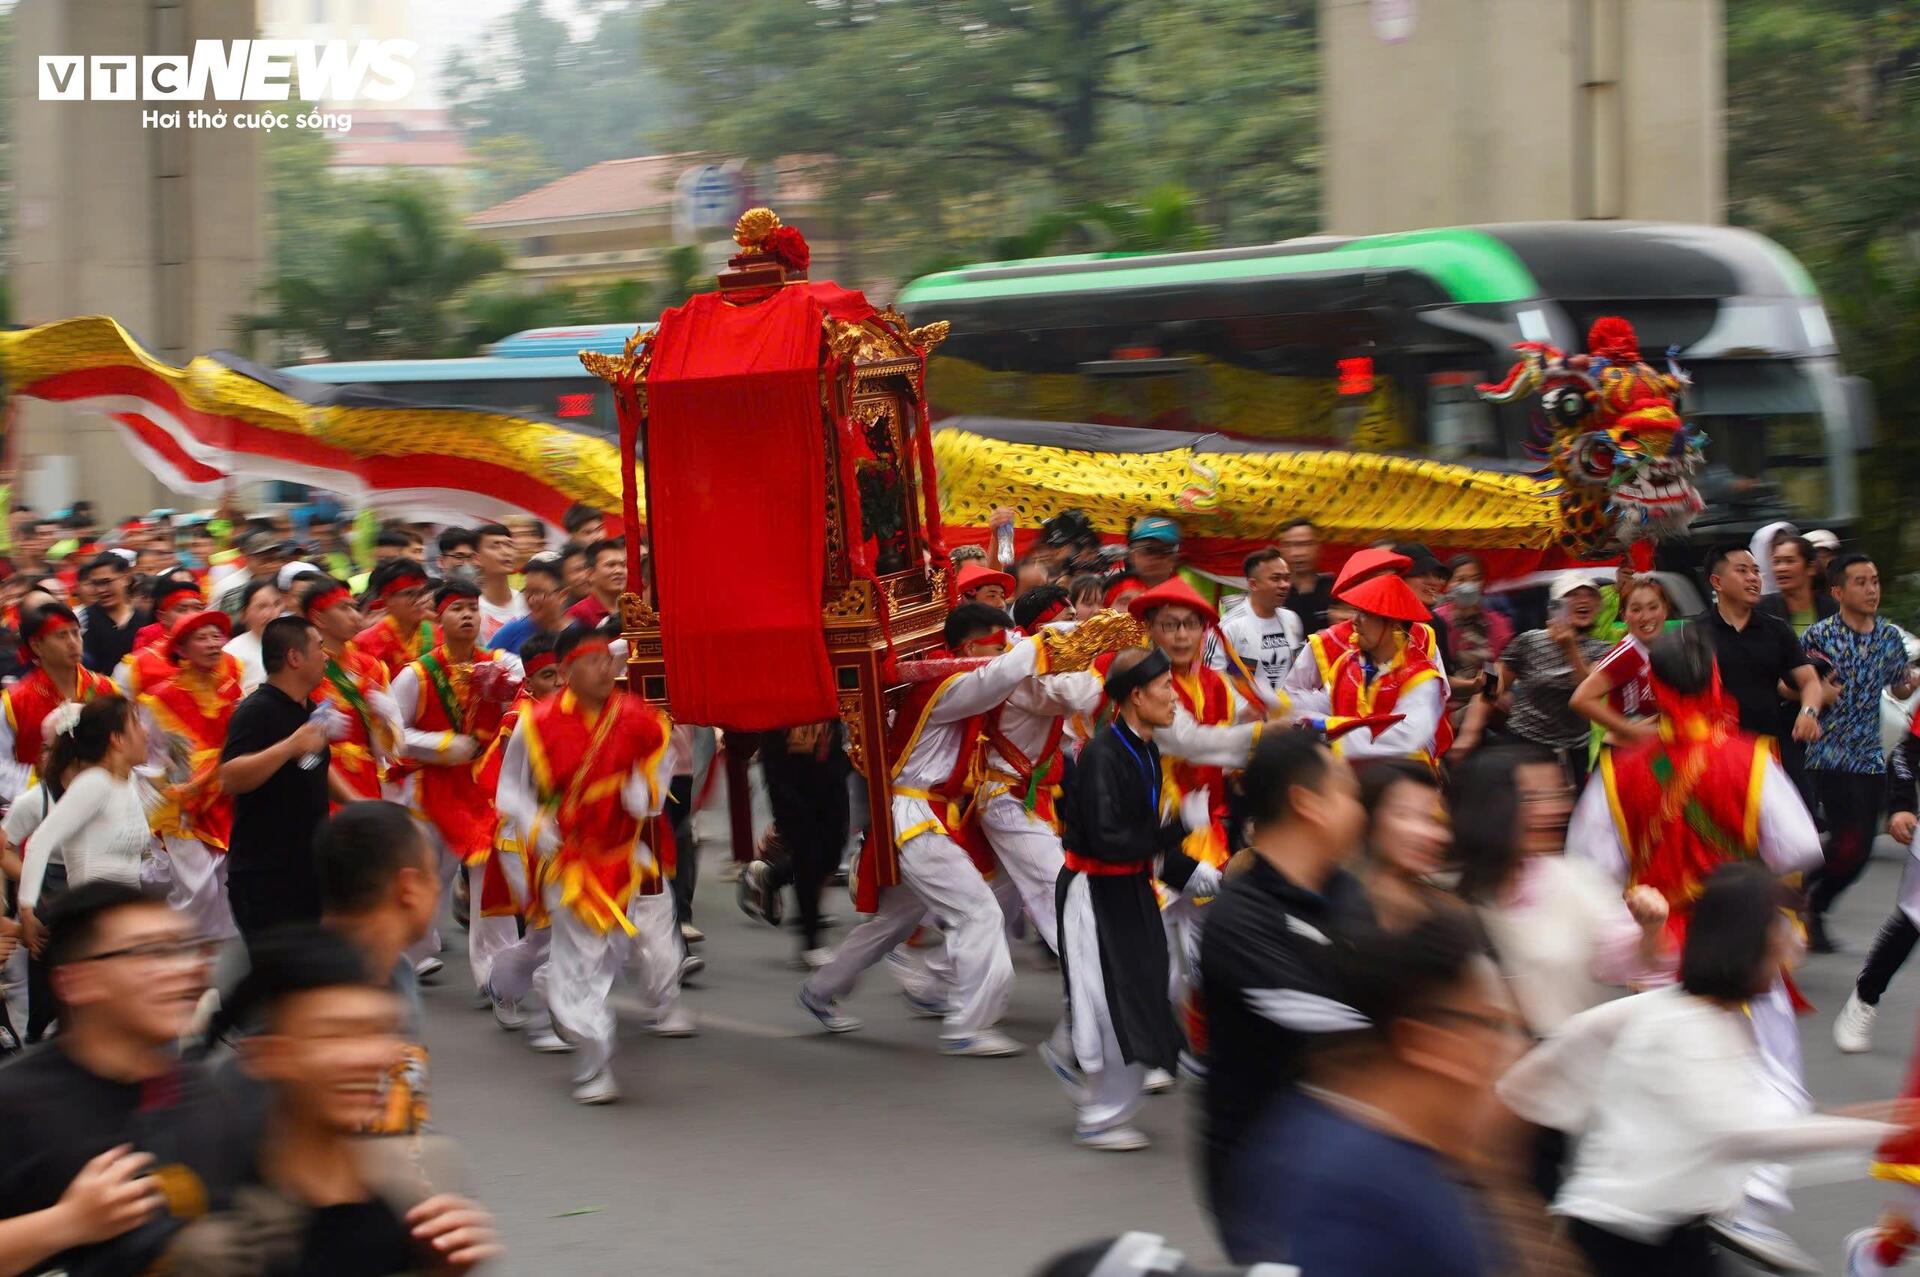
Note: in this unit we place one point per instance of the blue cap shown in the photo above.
(1155, 528)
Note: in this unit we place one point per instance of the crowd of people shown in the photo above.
(1464, 911)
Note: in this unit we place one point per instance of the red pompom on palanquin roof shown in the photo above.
(1612, 338)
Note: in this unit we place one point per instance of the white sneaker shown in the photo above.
(677, 1023)
(812, 959)
(598, 1089)
(1158, 1082)
(1120, 1139)
(547, 1042)
(831, 1017)
(691, 966)
(1853, 1027)
(988, 1042)
(1861, 1261)
(508, 1015)
(1070, 1077)
(482, 999)
(427, 968)
(691, 934)
(1762, 1244)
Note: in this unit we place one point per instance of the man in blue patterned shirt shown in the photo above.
(1857, 656)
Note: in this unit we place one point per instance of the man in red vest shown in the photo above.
(935, 742)
(1666, 814)
(402, 634)
(356, 685)
(51, 636)
(1383, 670)
(187, 718)
(450, 706)
(585, 774)
(1324, 647)
(151, 660)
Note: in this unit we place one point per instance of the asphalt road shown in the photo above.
(766, 1146)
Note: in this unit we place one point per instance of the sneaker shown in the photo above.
(1120, 1139)
(1818, 941)
(676, 1023)
(691, 966)
(1762, 1244)
(923, 1008)
(757, 895)
(691, 934)
(598, 1089)
(815, 958)
(508, 1015)
(547, 1042)
(1158, 1082)
(831, 1018)
(1853, 1027)
(428, 968)
(1860, 1257)
(482, 999)
(1070, 1077)
(729, 871)
(988, 1042)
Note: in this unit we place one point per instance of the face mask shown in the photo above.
(1466, 594)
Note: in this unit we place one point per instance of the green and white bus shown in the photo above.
(1376, 344)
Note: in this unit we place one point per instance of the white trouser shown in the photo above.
(1183, 918)
(1030, 858)
(199, 887)
(1776, 1031)
(1112, 1089)
(487, 937)
(582, 964)
(940, 879)
(515, 966)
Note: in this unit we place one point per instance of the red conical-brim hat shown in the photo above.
(193, 621)
(975, 575)
(1172, 592)
(1363, 564)
(1386, 596)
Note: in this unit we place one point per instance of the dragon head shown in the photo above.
(1614, 437)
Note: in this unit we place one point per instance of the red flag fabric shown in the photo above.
(736, 460)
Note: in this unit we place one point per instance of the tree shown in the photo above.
(508, 164)
(391, 288)
(307, 204)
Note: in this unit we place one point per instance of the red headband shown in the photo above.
(1052, 613)
(405, 581)
(534, 664)
(998, 638)
(332, 598)
(450, 600)
(584, 647)
(52, 625)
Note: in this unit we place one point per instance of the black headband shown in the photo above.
(1121, 683)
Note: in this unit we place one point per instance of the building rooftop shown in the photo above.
(608, 188)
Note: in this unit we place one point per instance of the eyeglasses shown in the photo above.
(1193, 623)
(197, 950)
(1502, 1024)
(1544, 797)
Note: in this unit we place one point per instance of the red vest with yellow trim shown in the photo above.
(1330, 644)
(147, 667)
(579, 767)
(1034, 782)
(1353, 697)
(1204, 693)
(449, 796)
(384, 643)
(194, 711)
(353, 757)
(1683, 808)
(879, 866)
(1898, 1159)
(496, 897)
(28, 702)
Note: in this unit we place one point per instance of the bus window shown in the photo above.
(581, 403)
(1787, 451)
(1460, 424)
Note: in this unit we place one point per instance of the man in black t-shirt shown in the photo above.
(108, 1101)
(1312, 588)
(275, 763)
(1267, 957)
(1756, 653)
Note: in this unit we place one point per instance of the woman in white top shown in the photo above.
(1564, 938)
(99, 824)
(1668, 1096)
(260, 602)
(1406, 841)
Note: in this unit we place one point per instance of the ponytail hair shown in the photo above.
(100, 720)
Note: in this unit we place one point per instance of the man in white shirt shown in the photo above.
(495, 557)
(1263, 634)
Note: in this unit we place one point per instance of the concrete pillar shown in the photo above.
(1451, 112)
(160, 228)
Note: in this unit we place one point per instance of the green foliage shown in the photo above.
(392, 285)
(508, 164)
(1823, 123)
(306, 205)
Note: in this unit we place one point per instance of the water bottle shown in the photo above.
(1003, 544)
(323, 715)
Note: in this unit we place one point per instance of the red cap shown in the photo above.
(1369, 563)
(193, 621)
(975, 575)
(1172, 592)
(1386, 596)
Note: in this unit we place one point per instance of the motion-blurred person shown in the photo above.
(1143, 1255)
(606, 580)
(1359, 1170)
(1265, 635)
(323, 1200)
(1268, 974)
(496, 559)
(51, 635)
(1312, 589)
(1476, 633)
(356, 686)
(978, 584)
(1671, 1098)
(1406, 842)
(1617, 694)
(1802, 594)
(806, 773)
(1541, 668)
(260, 602)
(584, 525)
(111, 620)
(544, 593)
(108, 1133)
(152, 662)
(1087, 593)
(1755, 654)
(401, 633)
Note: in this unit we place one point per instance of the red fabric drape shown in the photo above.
(737, 472)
